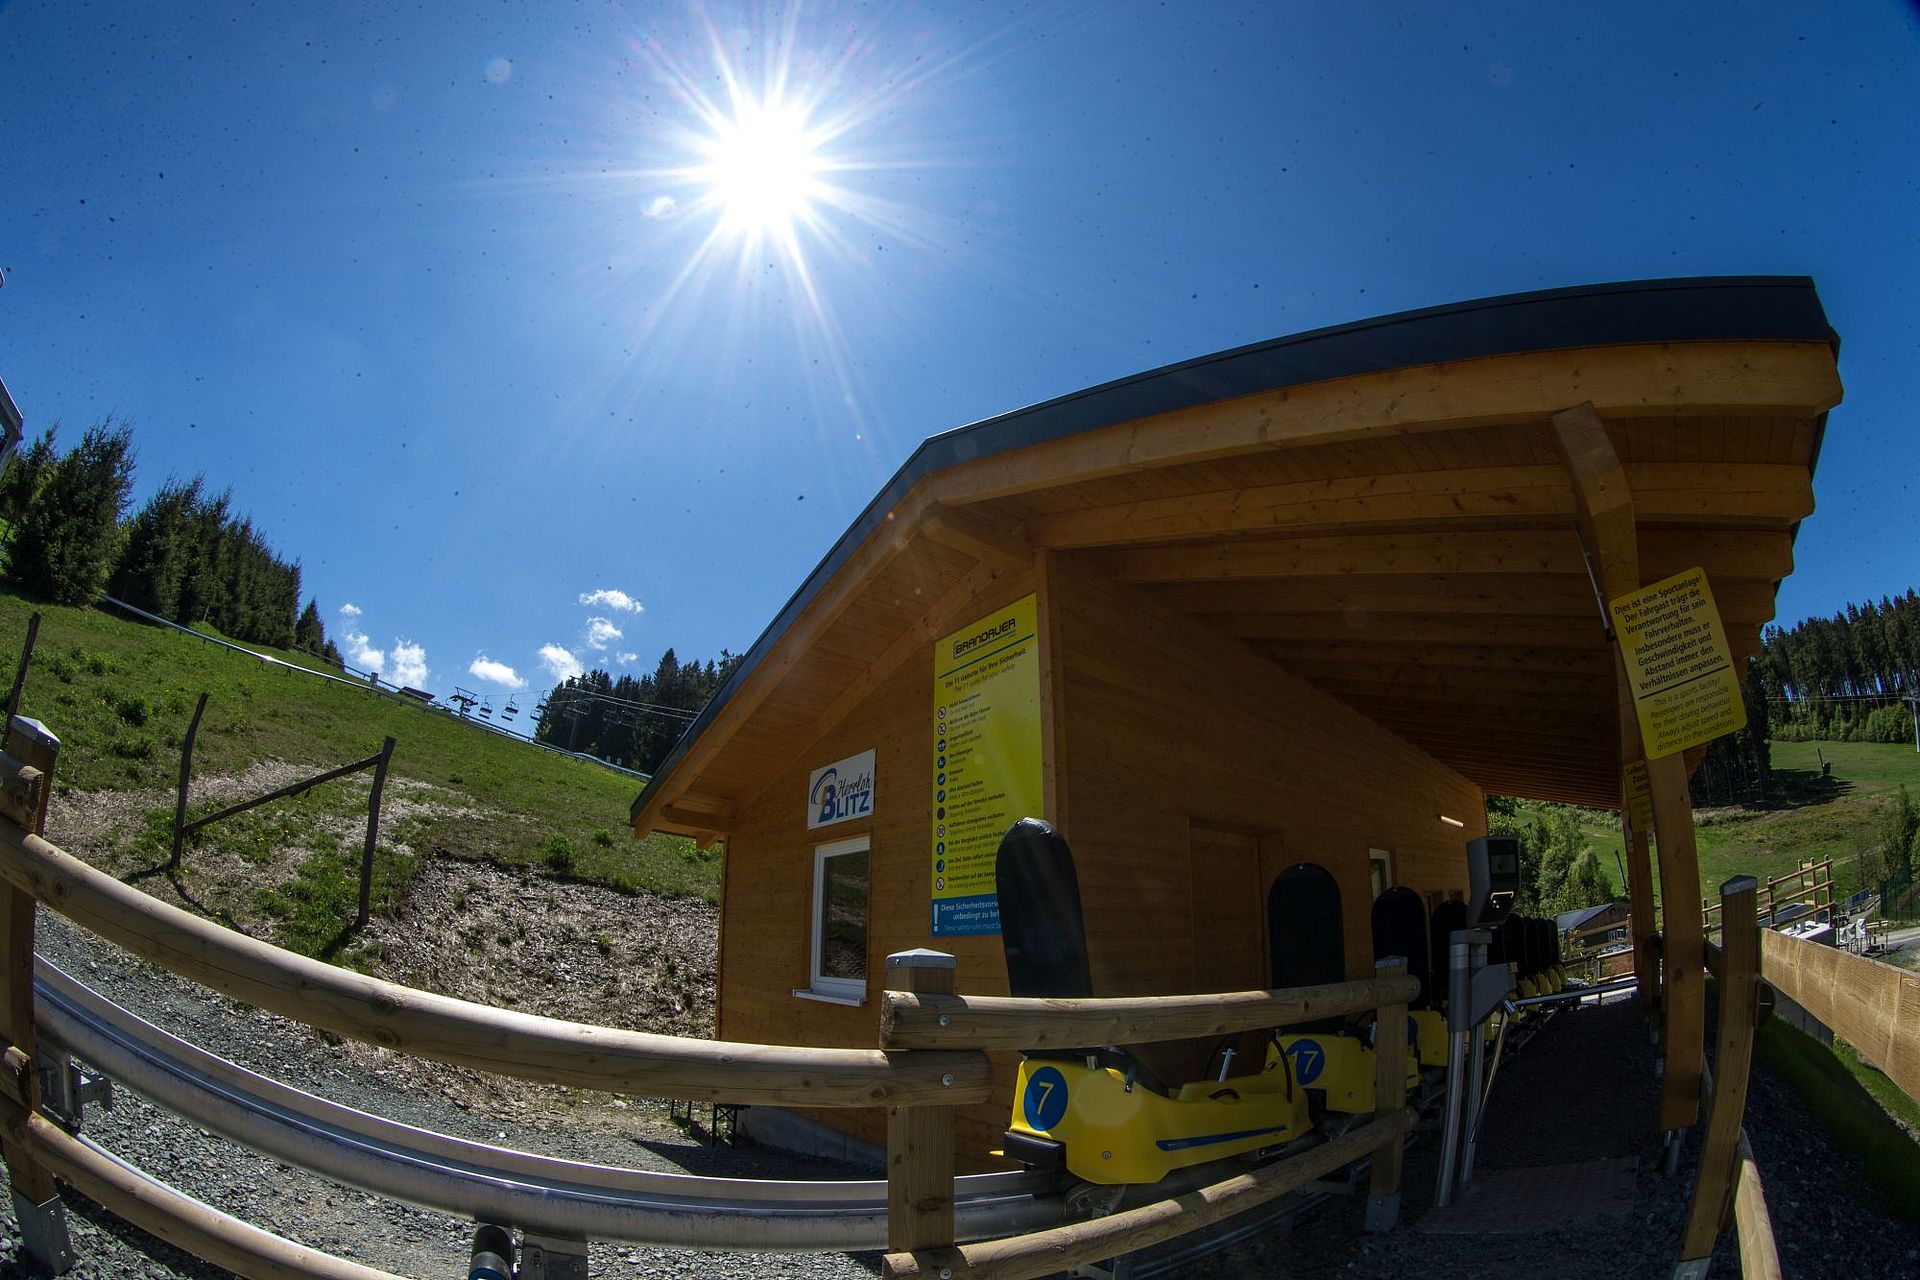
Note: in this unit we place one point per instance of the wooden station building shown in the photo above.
(1307, 600)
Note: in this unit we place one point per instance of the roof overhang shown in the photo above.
(1376, 507)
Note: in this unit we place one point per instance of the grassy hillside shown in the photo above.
(1810, 816)
(119, 694)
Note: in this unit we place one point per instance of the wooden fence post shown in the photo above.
(373, 833)
(36, 1200)
(1714, 1185)
(20, 674)
(186, 775)
(920, 1139)
(1389, 1097)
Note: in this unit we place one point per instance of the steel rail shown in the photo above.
(473, 1180)
(1574, 994)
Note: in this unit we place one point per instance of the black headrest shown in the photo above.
(1041, 928)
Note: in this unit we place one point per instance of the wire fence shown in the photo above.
(370, 682)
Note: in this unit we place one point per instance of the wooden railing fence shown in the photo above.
(1809, 886)
(1726, 1161)
(931, 1058)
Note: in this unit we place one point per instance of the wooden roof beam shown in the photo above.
(1554, 549)
(959, 602)
(1339, 626)
(1746, 494)
(1789, 379)
(1470, 680)
(963, 531)
(1534, 596)
(1374, 696)
(1593, 662)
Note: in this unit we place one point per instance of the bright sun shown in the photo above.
(762, 169)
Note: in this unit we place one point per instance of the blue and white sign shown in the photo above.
(841, 791)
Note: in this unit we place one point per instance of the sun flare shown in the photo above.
(762, 169)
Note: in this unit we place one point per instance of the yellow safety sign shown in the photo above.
(1685, 689)
(987, 759)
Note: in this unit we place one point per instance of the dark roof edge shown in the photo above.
(1700, 309)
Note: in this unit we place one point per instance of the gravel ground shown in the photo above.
(348, 1222)
(1582, 1090)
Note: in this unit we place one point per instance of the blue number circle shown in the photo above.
(1309, 1059)
(1045, 1103)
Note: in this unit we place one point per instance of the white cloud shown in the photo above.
(405, 664)
(485, 668)
(601, 632)
(612, 598)
(560, 663)
(625, 659)
(409, 664)
(360, 651)
(660, 206)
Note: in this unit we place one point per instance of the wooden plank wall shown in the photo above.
(1186, 757)
(1170, 727)
(1872, 1006)
(765, 916)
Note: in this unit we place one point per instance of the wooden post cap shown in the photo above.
(34, 731)
(921, 958)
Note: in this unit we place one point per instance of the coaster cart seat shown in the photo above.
(1097, 1112)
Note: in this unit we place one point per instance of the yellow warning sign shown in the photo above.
(1685, 690)
(1639, 797)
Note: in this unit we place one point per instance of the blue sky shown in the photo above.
(440, 293)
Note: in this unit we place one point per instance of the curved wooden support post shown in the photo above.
(1609, 533)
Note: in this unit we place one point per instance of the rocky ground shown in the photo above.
(1582, 1091)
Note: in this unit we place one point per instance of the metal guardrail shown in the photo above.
(369, 683)
(490, 1184)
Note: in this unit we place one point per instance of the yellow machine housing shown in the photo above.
(1119, 1132)
(1340, 1066)
(1427, 1033)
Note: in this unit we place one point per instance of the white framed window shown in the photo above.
(1380, 870)
(838, 969)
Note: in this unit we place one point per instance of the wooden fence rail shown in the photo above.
(910, 1020)
(547, 1050)
(1062, 1248)
(919, 1086)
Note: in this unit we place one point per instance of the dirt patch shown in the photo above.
(507, 937)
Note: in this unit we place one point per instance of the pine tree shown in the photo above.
(160, 552)
(26, 471)
(310, 633)
(68, 536)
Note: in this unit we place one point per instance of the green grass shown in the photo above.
(1854, 1103)
(119, 695)
(1811, 818)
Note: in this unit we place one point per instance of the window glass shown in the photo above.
(1380, 867)
(842, 925)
